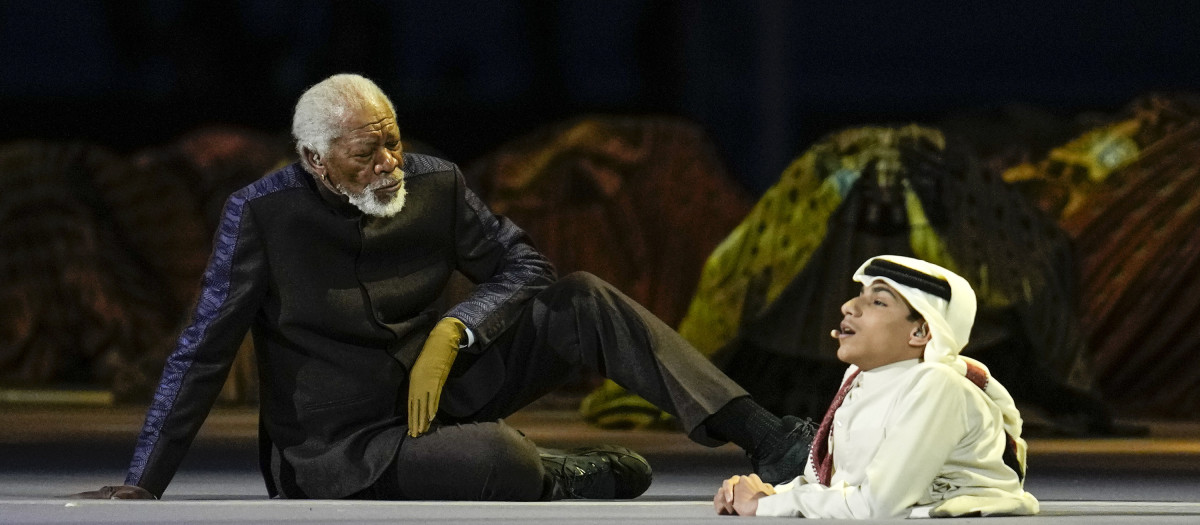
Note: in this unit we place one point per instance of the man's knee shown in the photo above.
(516, 468)
(474, 461)
(518, 452)
(581, 292)
(579, 283)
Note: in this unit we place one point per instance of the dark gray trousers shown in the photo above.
(578, 322)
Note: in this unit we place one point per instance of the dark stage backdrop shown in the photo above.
(764, 78)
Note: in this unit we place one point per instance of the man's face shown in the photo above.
(876, 329)
(364, 163)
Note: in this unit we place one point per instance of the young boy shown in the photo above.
(916, 429)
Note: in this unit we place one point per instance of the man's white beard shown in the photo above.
(371, 204)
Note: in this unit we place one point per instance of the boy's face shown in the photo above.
(876, 329)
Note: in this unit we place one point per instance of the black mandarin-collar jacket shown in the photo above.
(339, 305)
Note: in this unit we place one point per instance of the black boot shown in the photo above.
(787, 463)
(602, 472)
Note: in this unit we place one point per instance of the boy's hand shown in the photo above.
(739, 495)
(116, 492)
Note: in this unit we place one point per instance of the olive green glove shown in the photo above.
(428, 374)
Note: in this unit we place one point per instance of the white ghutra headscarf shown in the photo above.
(944, 299)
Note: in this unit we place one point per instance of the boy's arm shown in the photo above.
(919, 435)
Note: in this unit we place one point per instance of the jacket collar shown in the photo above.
(336, 202)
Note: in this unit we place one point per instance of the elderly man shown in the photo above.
(916, 429)
(367, 392)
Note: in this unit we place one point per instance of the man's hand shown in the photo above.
(428, 374)
(739, 495)
(116, 492)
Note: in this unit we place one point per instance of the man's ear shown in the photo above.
(920, 335)
(312, 160)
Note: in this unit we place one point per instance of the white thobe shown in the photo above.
(910, 437)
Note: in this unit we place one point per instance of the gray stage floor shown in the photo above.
(46, 453)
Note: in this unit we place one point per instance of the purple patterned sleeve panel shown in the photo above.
(499, 256)
(196, 370)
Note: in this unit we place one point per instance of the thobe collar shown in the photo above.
(884, 373)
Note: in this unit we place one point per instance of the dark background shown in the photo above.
(764, 78)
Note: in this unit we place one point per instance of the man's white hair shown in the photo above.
(322, 110)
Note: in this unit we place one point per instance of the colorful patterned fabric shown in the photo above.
(105, 254)
(772, 289)
(1127, 197)
(81, 306)
(639, 202)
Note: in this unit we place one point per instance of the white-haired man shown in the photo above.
(916, 429)
(334, 262)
